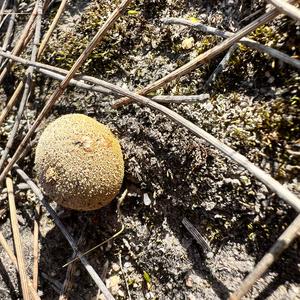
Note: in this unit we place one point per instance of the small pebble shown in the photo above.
(146, 199)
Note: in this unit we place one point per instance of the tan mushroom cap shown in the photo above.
(79, 162)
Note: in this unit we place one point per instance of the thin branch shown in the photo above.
(26, 93)
(286, 8)
(17, 238)
(246, 41)
(35, 271)
(204, 57)
(13, 259)
(66, 234)
(283, 242)
(221, 66)
(52, 26)
(63, 85)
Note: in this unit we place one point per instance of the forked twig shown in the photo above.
(246, 41)
(66, 234)
(286, 238)
(286, 8)
(17, 238)
(204, 57)
(13, 259)
(63, 85)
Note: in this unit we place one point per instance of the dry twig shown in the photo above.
(66, 234)
(17, 238)
(283, 242)
(10, 27)
(221, 66)
(196, 234)
(125, 277)
(3, 7)
(181, 99)
(63, 85)
(20, 44)
(286, 8)
(52, 26)
(120, 215)
(67, 285)
(204, 57)
(13, 259)
(26, 93)
(36, 247)
(246, 41)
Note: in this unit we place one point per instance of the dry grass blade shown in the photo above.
(26, 93)
(204, 57)
(17, 238)
(12, 257)
(36, 247)
(66, 234)
(246, 41)
(58, 92)
(286, 8)
(196, 234)
(283, 242)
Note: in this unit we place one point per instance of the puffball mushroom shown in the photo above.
(79, 163)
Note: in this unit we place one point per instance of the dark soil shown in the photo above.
(253, 107)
